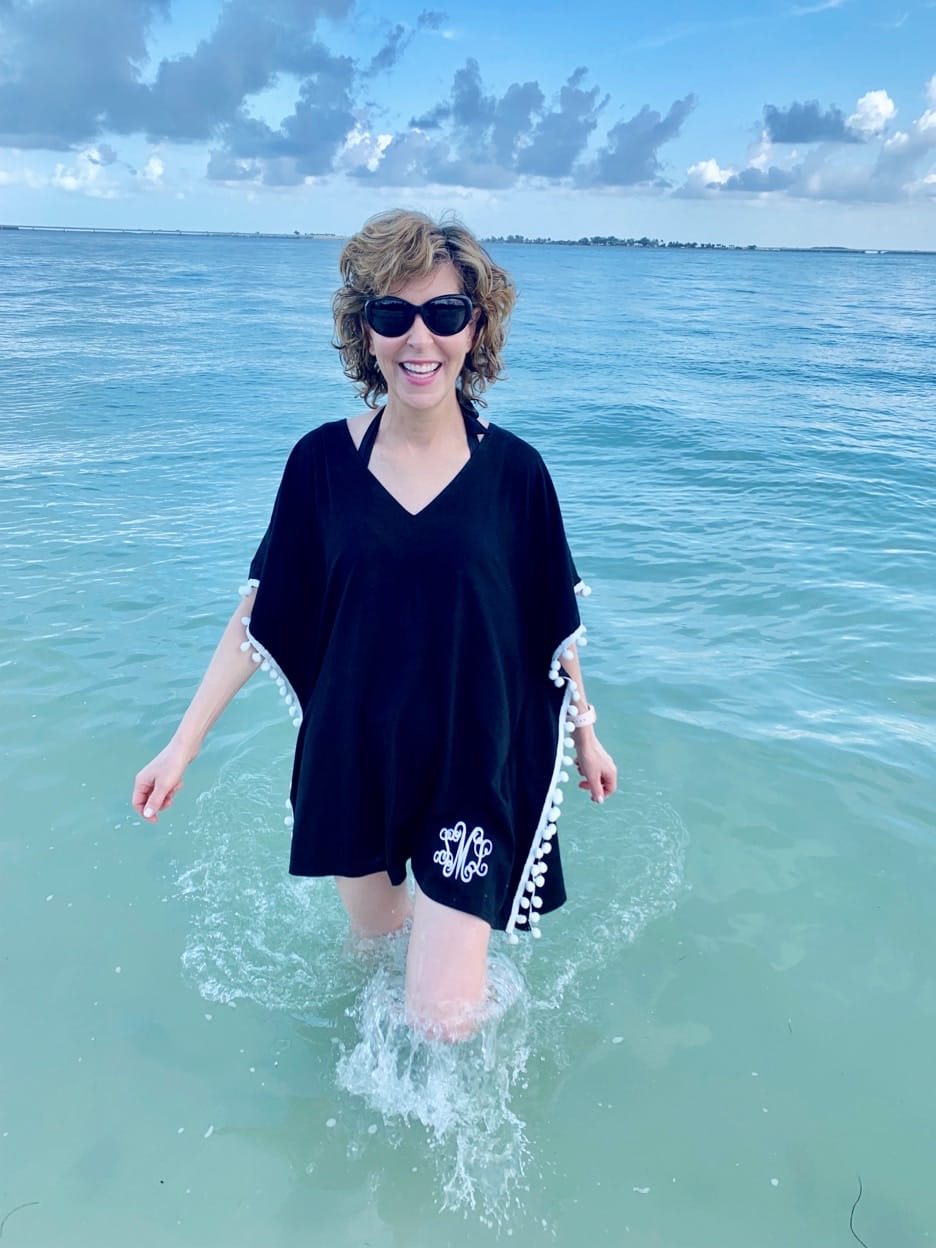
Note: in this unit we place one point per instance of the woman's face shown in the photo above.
(419, 367)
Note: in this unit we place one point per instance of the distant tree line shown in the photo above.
(611, 240)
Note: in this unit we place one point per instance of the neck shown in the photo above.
(421, 427)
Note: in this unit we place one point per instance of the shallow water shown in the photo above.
(730, 1021)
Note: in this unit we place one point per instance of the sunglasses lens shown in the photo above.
(389, 317)
(447, 315)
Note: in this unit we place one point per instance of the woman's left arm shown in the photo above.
(595, 764)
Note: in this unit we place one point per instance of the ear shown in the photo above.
(472, 327)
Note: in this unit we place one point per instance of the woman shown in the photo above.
(415, 601)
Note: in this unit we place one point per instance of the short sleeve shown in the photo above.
(255, 573)
(551, 578)
(288, 568)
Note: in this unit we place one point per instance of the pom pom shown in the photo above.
(265, 665)
(563, 777)
(256, 656)
(547, 847)
(568, 743)
(567, 654)
(297, 723)
(525, 903)
(531, 887)
(245, 646)
(549, 831)
(245, 620)
(558, 682)
(534, 918)
(558, 797)
(513, 938)
(288, 821)
(537, 932)
(554, 814)
(538, 902)
(568, 760)
(521, 918)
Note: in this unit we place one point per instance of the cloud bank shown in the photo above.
(73, 72)
(863, 157)
(77, 77)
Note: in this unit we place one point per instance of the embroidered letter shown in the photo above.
(470, 850)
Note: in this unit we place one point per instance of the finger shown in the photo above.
(597, 787)
(141, 791)
(170, 796)
(156, 802)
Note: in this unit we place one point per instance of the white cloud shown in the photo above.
(152, 172)
(707, 172)
(23, 177)
(86, 176)
(805, 10)
(703, 179)
(931, 90)
(363, 148)
(897, 142)
(872, 113)
(759, 153)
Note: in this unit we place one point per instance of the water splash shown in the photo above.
(260, 935)
(460, 1094)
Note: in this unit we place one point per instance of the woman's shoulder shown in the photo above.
(519, 453)
(320, 440)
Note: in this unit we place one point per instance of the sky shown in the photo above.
(766, 122)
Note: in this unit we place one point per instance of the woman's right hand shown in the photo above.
(159, 781)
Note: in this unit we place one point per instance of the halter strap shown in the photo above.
(474, 431)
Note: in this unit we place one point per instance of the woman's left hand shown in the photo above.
(595, 765)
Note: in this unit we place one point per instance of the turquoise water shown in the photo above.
(733, 1018)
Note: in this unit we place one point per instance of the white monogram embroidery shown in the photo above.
(470, 850)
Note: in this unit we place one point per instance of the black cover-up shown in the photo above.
(420, 656)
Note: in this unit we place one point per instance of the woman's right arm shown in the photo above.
(230, 668)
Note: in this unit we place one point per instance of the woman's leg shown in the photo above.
(374, 905)
(446, 970)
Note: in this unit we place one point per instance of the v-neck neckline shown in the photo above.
(416, 515)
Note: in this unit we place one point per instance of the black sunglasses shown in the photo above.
(391, 317)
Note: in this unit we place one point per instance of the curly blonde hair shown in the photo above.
(397, 247)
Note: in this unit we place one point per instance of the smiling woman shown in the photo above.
(416, 603)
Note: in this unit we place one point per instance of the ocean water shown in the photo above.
(727, 1034)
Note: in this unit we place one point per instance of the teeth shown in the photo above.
(421, 370)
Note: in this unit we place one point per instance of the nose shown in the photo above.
(418, 331)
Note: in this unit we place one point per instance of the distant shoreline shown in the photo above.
(509, 240)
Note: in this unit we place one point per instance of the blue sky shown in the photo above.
(776, 122)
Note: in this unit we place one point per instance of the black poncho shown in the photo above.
(420, 658)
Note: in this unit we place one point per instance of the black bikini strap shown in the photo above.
(474, 431)
(370, 437)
